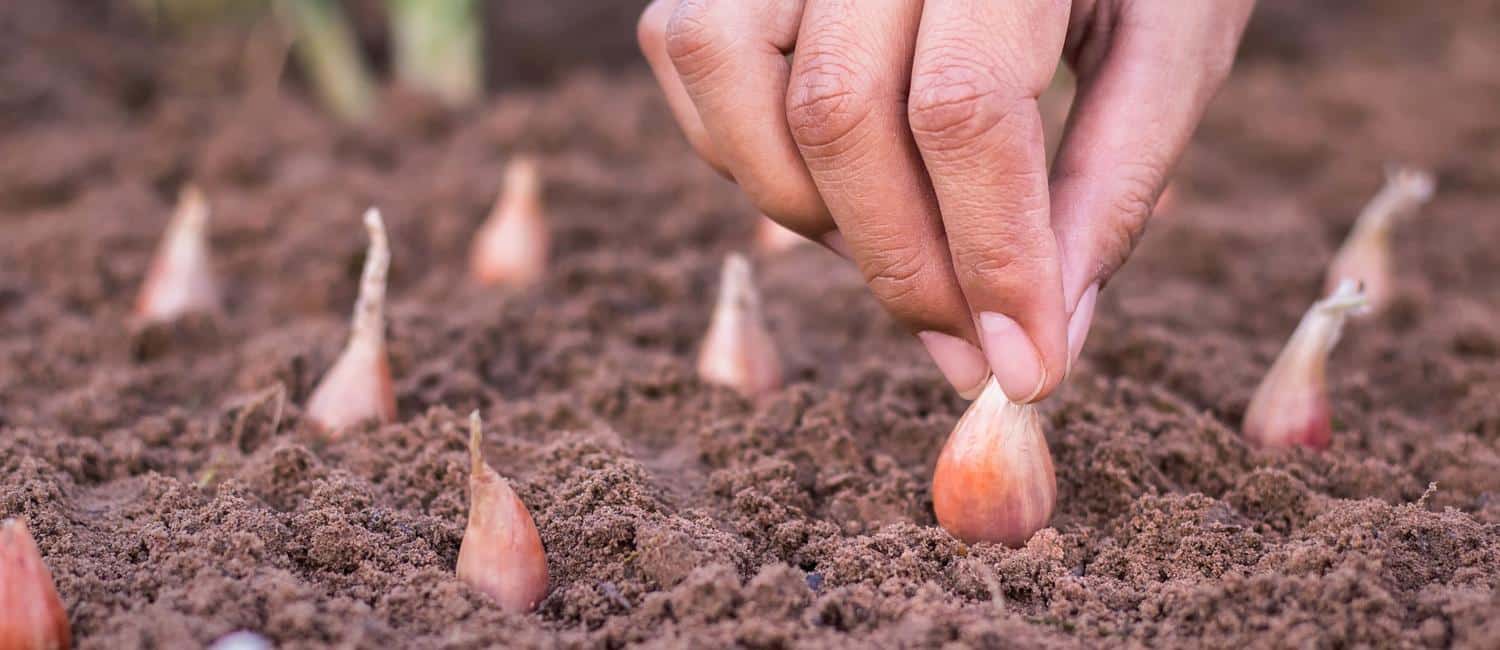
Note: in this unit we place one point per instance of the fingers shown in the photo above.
(651, 32)
(978, 69)
(846, 107)
(1143, 85)
(731, 58)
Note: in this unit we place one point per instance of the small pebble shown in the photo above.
(241, 640)
(815, 581)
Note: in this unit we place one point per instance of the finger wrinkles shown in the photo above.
(897, 271)
(846, 111)
(651, 31)
(1133, 200)
(1011, 254)
(1108, 215)
(955, 103)
(996, 191)
(829, 100)
(728, 54)
(696, 39)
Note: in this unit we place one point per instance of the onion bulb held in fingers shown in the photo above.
(994, 480)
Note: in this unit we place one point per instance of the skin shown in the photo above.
(905, 135)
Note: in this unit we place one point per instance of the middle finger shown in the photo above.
(978, 69)
(731, 56)
(847, 111)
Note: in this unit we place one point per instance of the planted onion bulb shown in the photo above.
(511, 248)
(181, 278)
(31, 613)
(358, 386)
(1365, 256)
(738, 350)
(994, 480)
(1290, 407)
(502, 554)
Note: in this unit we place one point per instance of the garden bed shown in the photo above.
(177, 494)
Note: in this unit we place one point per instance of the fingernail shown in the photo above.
(1078, 325)
(834, 240)
(1017, 366)
(962, 363)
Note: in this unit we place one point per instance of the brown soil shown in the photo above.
(177, 494)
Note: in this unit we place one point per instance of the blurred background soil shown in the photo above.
(177, 494)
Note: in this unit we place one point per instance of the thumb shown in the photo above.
(1142, 90)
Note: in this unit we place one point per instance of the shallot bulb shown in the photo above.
(358, 386)
(502, 554)
(181, 278)
(738, 350)
(1365, 256)
(511, 247)
(994, 480)
(1290, 407)
(32, 616)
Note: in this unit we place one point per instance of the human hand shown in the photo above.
(905, 135)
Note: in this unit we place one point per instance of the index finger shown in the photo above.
(978, 69)
(651, 32)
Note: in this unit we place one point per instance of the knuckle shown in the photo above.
(1001, 271)
(952, 102)
(1005, 262)
(895, 274)
(827, 101)
(1131, 210)
(692, 33)
(994, 268)
(1116, 246)
(1134, 197)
